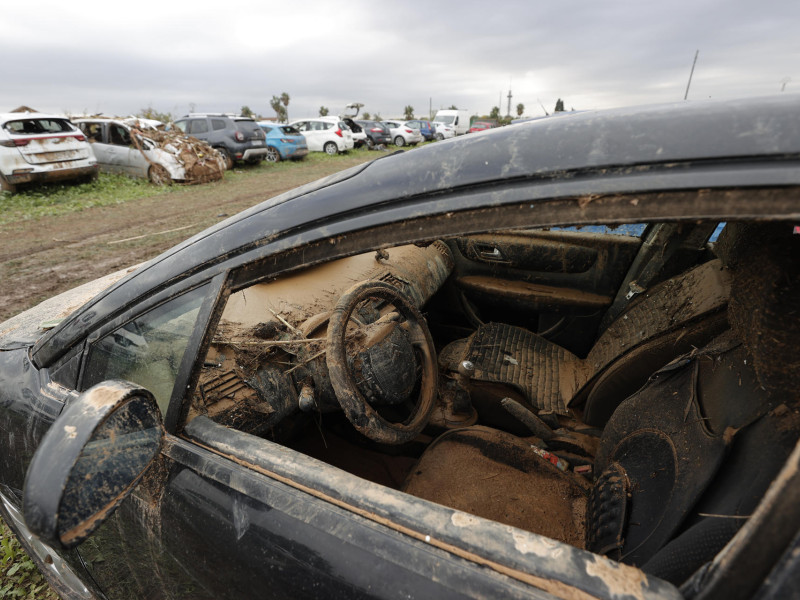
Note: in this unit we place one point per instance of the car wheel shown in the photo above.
(439, 137)
(273, 155)
(330, 148)
(370, 144)
(399, 141)
(158, 175)
(226, 158)
(7, 187)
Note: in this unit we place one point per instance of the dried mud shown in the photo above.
(44, 257)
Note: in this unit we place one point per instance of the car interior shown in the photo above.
(630, 391)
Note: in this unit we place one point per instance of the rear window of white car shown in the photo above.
(34, 126)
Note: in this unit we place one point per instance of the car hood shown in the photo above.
(27, 327)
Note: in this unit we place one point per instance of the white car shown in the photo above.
(402, 134)
(118, 150)
(37, 147)
(443, 130)
(325, 134)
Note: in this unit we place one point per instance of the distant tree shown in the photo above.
(151, 113)
(520, 109)
(279, 109)
(246, 112)
(377, 117)
(559, 106)
(285, 102)
(408, 112)
(494, 113)
(366, 116)
(452, 107)
(323, 111)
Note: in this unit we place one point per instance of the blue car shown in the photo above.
(426, 128)
(283, 142)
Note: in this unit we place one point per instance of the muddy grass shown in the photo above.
(43, 257)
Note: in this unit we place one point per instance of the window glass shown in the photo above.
(181, 125)
(198, 126)
(217, 124)
(633, 229)
(33, 126)
(147, 350)
(119, 136)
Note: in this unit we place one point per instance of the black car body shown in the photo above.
(237, 138)
(444, 373)
(377, 133)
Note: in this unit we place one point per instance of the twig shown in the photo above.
(138, 237)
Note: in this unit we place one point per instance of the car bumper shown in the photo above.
(31, 173)
(292, 152)
(252, 154)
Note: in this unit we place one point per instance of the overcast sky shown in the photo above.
(116, 58)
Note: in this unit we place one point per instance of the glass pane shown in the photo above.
(149, 349)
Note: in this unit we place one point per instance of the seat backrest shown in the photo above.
(680, 313)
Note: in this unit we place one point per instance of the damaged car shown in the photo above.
(158, 156)
(37, 147)
(558, 360)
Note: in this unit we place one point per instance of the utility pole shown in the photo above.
(686, 95)
(784, 81)
(508, 110)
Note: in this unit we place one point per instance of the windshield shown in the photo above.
(289, 130)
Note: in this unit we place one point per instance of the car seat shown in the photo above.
(684, 461)
(676, 315)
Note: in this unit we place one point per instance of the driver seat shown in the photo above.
(672, 318)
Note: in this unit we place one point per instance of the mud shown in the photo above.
(40, 258)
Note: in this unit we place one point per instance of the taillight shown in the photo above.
(376, 130)
(409, 131)
(7, 143)
(80, 137)
(287, 141)
(24, 142)
(238, 136)
(338, 132)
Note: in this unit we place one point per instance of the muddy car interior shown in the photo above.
(633, 393)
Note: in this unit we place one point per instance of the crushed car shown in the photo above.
(37, 147)
(556, 360)
(162, 157)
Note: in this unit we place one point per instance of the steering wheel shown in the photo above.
(355, 406)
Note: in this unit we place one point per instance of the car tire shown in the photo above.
(399, 141)
(7, 187)
(273, 155)
(158, 175)
(370, 144)
(330, 148)
(439, 137)
(226, 158)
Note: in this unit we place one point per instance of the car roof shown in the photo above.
(659, 148)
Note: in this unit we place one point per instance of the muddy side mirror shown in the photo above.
(90, 460)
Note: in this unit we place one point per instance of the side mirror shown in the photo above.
(90, 460)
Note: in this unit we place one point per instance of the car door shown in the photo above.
(97, 134)
(312, 135)
(219, 516)
(123, 156)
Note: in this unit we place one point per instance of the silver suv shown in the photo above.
(236, 138)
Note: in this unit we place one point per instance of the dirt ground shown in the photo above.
(41, 258)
